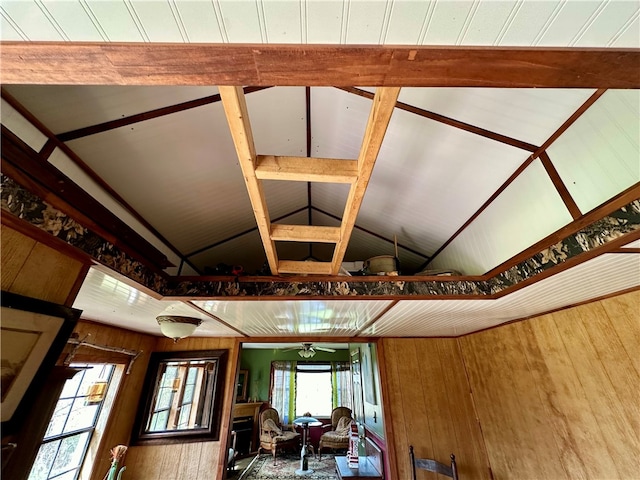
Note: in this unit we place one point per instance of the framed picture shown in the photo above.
(368, 378)
(241, 387)
(33, 334)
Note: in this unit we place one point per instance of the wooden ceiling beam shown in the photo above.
(303, 169)
(235, 109)
(382, 108)
(75, 63)
(304, 268)
(305, 233)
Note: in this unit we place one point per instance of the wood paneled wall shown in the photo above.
(123, 410)
(35, 270)
(557, 396)
(189, 461)
(428, 405)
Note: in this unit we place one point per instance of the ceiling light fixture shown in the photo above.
(306, 353)
(177, 327)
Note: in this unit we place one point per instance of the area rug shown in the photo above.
(262, 468)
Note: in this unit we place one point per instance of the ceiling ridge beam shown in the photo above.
(103, 63)
(306, 169)
(144, 116)
(235, 109)
(382, 109)
(304, 233)
(467, 127)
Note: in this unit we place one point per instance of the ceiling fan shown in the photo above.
(307, 350)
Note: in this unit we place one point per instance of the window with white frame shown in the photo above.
(73, 423)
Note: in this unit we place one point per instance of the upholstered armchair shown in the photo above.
(338, 432)
(274, 436)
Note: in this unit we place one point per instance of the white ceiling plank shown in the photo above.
(75, 22)
(407, 21)
(32, 20)
(429, 181)
(112, 302)
(602, 29)
(447, 22)
(63, 163)
(604, 275)
(529, 21)
(9, 30)
(115, 20)
(628, 35)
(283, 21)
(525, 212)
(241, 21)
(302, 317)
(365, 21)
(158, 21)
(21, 127)
(599, 155)
(200, 21)
(487, 22)
(324, 21)
(564, 30)
(62, 108)
(193, 148)
(527, 114)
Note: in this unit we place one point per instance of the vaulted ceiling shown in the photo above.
(477, 171)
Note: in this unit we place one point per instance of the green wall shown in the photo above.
(258, 362)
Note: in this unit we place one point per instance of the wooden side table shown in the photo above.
(365, 469)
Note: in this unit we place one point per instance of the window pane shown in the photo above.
(183, 421)
(59, 417)
(81, 416)
(44, 460)
(159, 421)
(313, 394)
(70, 453)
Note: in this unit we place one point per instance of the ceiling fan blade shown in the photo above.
(330, 350)
(291, 349)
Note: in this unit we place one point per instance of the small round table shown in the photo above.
(305, 422)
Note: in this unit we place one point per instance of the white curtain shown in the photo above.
(341, 383)
(283, 389)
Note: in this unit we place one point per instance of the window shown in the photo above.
(179, 388)
(73, 423)
(306, 387)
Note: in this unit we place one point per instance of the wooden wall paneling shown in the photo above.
(16, 249)
(470, 450)
(624, 312)
(615, 360)
(417, 418)
(190, 460)
(390, 468)
(36, 270)
(504, 390)
(397, 413)
(610, 414)
(430, 406)
(436, 401)
(583, 453)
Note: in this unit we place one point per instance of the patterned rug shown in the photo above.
(262, 468)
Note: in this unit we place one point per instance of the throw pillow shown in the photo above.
(271, 426)
(344, 426)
